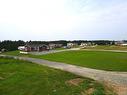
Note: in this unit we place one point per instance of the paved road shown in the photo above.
(118, 80)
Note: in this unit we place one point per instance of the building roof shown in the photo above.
(36, 45)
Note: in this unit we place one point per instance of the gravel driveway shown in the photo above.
(116, 80)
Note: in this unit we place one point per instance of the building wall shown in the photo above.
(35, 48)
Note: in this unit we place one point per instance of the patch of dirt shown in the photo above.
(118, 89)
(121, 90)
(74, 82)
(109, 91)
(89, 91)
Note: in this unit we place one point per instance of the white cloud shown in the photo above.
(61, 19)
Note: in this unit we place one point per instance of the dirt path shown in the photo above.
(116, 80)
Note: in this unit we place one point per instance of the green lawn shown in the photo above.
(15, 53)
(103, 60)
(25, 78)
(108, 47)
(92, 59)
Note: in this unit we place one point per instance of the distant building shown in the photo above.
(59, 45)
(3, 50)
(53, 46)
(72, 45)
(121, 43)
(83, 45)
(32, 47)
(125, 44)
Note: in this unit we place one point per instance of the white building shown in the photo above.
(121, 43)
(124, 44)
(72, 45)
(53, 46)
(83, 45)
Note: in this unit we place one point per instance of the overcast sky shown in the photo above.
(63, 19)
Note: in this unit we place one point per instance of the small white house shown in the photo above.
(72, 45)
(34, 48)
(83, 45)
(21, 48)
(53, 46)
(121, 43)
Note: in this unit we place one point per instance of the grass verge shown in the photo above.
(25, 78)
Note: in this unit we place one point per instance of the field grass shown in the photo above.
(108, 47)
(25, 78)
(15, 53)
(103, 60)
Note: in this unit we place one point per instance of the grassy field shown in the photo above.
(15, 53)
(111, 61)
(103, 60)
(24, 78)
(108, 47)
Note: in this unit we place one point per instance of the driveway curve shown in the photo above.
(116, 80)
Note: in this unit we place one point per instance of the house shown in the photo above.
(3, 50)
(121, 43)
(125, 44)
(118, 42)
(59, 45)
(86, 44)
(89, 44)
(72, 45)
(53, 46)
(83, 45)
(34, 47)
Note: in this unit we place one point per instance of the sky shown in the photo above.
(63, 20)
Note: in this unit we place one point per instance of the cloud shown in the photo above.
(63, 19)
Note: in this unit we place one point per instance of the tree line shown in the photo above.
(13, 45)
